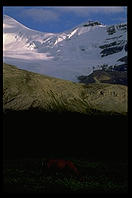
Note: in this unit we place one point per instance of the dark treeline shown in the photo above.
(42, 134)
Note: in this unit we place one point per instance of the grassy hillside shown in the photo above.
(23, 90)
(51, 117)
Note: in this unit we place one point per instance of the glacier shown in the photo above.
(64, 55)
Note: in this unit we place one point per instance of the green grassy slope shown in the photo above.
(23, 90)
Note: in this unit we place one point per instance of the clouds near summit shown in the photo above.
(62, 18)
(86, 11)
(40, 14)
(55, 13)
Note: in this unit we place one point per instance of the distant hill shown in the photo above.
(101, 76)
(23, 90)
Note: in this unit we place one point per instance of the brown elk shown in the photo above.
(60, 165)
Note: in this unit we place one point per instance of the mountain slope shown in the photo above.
(64, 55)
(23, 90)
(100, 76)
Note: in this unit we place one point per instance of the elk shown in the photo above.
(60, 165)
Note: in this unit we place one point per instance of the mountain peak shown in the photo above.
(91, 23)
(10, 22)
(8, 18)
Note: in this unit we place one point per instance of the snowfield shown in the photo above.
(64, 55)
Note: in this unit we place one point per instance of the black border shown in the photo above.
(65, 3)
(54, 3)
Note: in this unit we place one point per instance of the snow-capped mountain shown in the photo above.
(64, 55)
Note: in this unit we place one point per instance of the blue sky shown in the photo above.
(59, 19)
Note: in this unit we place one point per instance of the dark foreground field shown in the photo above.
(97, 145)
(27, 176)
(37, 134)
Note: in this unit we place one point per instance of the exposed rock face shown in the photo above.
(92, 23)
